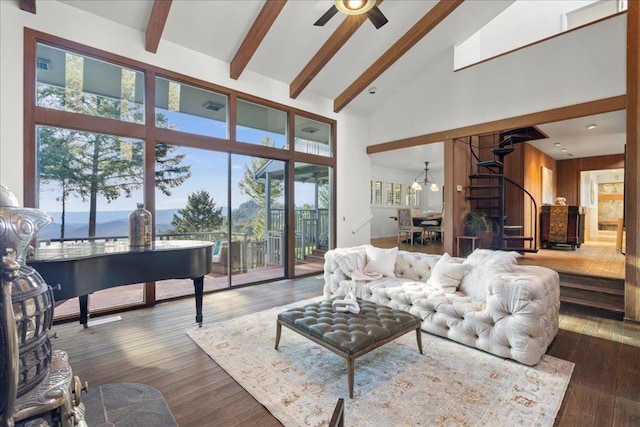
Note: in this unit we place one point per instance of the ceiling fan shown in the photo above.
(354, 7)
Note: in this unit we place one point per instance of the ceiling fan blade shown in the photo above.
(327, 15)
(376, 17)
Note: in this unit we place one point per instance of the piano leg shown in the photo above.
(198, 285)
(84, 310)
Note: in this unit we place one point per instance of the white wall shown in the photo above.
(584, 65)
(521, 23)
(381, 223)
(70, 23)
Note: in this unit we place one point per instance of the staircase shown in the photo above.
(317, 256)
(487, 193)
(601, 293)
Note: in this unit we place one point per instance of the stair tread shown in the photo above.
(594, 304)
(503, 150)
(490, 163)
(485, 175)
(482, 197)
(592, 288)
(506, 237)
(515, 249)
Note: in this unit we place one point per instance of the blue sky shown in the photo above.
(208, 172)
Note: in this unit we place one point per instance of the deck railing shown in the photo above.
(311, 231)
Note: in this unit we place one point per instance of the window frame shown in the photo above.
(34, 115)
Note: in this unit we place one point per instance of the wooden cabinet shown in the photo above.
(561, 227)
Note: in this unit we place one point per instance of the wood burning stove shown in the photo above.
(37, 384)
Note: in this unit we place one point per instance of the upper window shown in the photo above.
(190, 109)
(262, 125)
(411, 196)
(312, 137)
(80, 84)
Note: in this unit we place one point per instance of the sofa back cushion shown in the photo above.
(381, 261)
(485, 265)
(447, 273)
(415, 265)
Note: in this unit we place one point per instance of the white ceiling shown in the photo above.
(217, 28)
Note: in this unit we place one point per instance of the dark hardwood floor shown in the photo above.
(151, 346)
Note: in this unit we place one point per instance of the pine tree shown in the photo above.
(199, 215)
(87, 164)
(256, 190)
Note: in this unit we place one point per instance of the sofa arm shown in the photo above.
(333, 276)
(524, 306)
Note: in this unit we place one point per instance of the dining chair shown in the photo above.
(433, 228)
(406, 225)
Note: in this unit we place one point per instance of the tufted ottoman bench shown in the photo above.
(346, 334)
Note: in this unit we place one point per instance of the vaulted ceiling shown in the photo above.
(277, 39)
(340, 61)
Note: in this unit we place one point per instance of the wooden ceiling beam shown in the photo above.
(155, 27)
(28, 6)
(338, 39)
(428, 22)
(256, 34)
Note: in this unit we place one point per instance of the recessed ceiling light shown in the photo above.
(213, 106)
(570, 154)
(43, 64)
(557, 144)
(591, 126)
(564, 150)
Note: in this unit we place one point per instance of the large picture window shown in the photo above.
(200, 158)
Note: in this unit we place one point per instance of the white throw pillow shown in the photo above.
(381, 261)
(447, 273)
(485, 265)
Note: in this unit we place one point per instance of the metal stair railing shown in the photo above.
(505, 148)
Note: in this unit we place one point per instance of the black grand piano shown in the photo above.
(77, 269)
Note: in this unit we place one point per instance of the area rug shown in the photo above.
(126, 405)
(395, 385)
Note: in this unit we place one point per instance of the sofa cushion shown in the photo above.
(485, 264)
(381, 261)
(447, 273)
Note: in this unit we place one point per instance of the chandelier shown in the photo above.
(428, 180)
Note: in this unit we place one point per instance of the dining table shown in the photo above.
(425, 219)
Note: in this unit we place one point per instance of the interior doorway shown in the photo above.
(602, 195)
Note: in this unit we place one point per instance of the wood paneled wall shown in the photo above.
(457, 161)
(534, 160)
(568, 173)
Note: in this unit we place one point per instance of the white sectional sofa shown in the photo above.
(485, 301)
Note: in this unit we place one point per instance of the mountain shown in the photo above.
(108, 224)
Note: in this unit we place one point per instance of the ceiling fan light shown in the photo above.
(354, 7)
